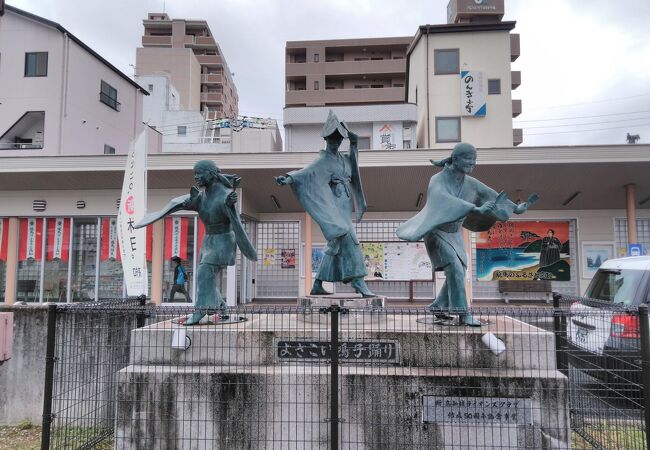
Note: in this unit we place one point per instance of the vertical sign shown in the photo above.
(133, 245)
(31, 239)
(473, 93)
(4, 230)
(58, 237)
(387, 136)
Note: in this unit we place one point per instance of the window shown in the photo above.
(446, 62)
(315, 85)
(447, 129)
(361, 86)
(108, 150)
(108, 96)
(150, 88)
(182, 130)
(316, 57)
(363, 143)
(494, 86)
(36, 64)
(376, 86)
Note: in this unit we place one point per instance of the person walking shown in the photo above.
(180, 277)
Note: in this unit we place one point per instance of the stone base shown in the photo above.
(235, 388)
(342, 300)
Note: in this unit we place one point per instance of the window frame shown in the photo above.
(439, 51)
(498, 80)
(27, 54)
(457, 118)
(182, 128)
(110, 148)
(106, 98)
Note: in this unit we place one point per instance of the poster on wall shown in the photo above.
(288, 258)
(387, 136)
(524, 250)
(269, 256)
(373, 258)
(317, 252)
(594, 254)
(407, 261)
(473, 93)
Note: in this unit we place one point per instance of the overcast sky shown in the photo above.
(586, 63)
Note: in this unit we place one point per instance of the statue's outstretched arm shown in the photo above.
(175, 204)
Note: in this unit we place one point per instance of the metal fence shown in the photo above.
(131, 377)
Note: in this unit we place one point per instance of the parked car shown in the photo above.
(603, 331)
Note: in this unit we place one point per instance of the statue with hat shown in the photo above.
(455, 201)
(330, 190)
(215, 205)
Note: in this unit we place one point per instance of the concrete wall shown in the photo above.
(182, 67)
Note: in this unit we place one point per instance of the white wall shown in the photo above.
(163, 97)
(487, 52)
(76, 122)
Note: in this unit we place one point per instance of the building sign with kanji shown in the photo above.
(386, 352)
(387, 136)
(473, 93)
(484, 410)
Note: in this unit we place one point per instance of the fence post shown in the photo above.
(559, 328)
(141, 317)
(49, 377)
(645, 367)
(335, 310)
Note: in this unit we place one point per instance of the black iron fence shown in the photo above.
(133, 377)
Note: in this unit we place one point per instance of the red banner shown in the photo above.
(4, 236)
(149, 242)
(199, 239)
(110, 243)
(176, 229)
(58, 239)
(31, 239)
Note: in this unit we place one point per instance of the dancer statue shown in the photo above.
(455, 200)
(223, 232)
(329, 189)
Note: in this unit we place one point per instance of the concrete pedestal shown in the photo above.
(255, 385)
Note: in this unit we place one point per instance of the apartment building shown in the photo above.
(187, 51)
(59, 96)
(459, 76)
(362, 80)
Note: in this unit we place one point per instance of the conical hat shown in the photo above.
(333, 124)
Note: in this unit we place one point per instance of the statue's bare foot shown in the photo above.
(469, 320)
(194, 319)
(318, 289)
(360, 286)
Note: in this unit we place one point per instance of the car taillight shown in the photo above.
(625, 326)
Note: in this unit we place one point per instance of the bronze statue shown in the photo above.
(329, 189)
(455, 199)
(223, 232)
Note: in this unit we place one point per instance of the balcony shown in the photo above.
(209, 60)
(344, 96)
(163, 41)
(211, 78)
(205, 41)
(516, 107)
(517, 136)
(211, 97)
(515, 78)
(110, 101)
(383, 66)
(514, 47)
(26, 133)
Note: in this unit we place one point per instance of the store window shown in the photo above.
(4, 235)
(30, 257)
(179, 241)
(57, 258)
(84, 259)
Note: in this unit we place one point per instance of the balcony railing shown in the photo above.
(20, 146)
(211, 78)
(382, 66)
(341, 96)
(157, 40)
(109, 101)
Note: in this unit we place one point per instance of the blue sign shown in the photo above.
(634, 249)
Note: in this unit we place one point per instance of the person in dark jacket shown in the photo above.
(180, 277)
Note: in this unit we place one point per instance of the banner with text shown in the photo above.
(473, 93)
(4, 235)
(31, 239)
(387, 136)
(58, 239)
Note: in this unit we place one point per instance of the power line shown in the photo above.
(588, 123)
(584, 117)
(584, 131)
(589, 103)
